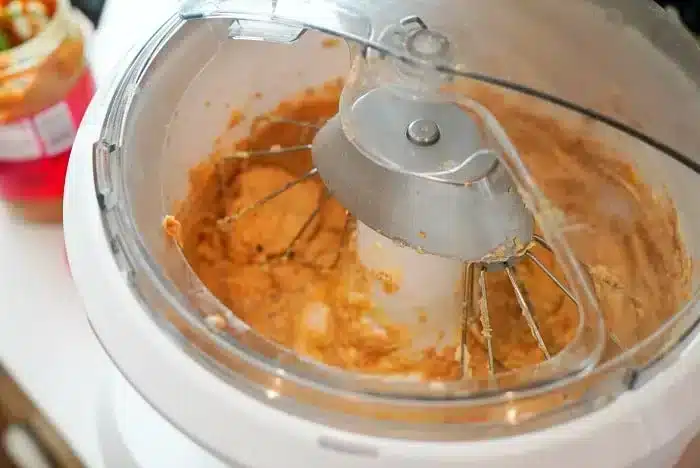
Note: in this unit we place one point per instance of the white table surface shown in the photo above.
(45, 340)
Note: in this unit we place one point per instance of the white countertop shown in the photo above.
(45, 339)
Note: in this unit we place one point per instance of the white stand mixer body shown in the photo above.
(645, 428)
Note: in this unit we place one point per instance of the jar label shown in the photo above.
(19, 141)
(34, 151)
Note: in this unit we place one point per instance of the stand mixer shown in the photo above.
(433, 187)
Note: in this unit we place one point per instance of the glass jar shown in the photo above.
(45, 88)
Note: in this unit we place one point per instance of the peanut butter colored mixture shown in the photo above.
(315, 297)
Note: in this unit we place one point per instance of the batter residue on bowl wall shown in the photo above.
(317, 300)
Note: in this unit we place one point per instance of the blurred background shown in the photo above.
(90, 8)
(688, 11)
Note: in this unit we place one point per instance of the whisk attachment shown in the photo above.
(393, 202)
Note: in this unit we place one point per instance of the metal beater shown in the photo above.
(425, 173)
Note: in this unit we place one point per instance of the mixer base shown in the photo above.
(133, 435)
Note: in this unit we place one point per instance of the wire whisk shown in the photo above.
(476, 315)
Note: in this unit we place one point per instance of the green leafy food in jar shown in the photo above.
(4, 42)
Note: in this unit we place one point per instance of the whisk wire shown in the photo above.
(540, 240)
(611, 335)
(292, 122)
(467, 314)
(526, 310)
(267, 198)
(314, 214)
(343, 239)
(486, 331)
(551, 276)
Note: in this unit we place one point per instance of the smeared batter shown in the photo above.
(314, 297)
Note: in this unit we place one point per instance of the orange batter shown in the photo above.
(314, 297)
